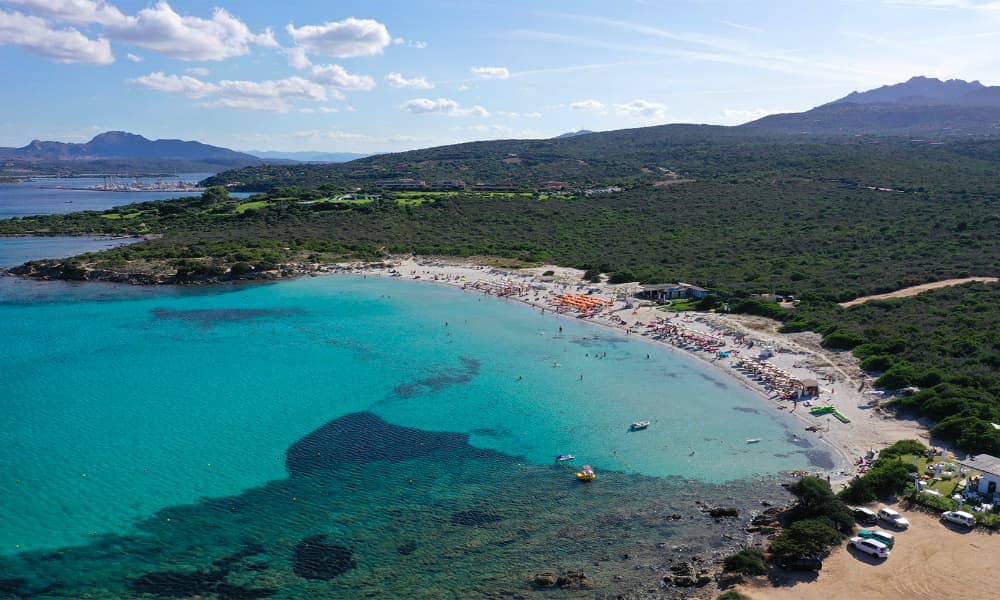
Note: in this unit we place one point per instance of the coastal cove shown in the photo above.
(163, 394)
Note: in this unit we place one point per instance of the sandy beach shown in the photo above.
(795, 356)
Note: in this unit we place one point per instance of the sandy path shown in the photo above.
(930, 561)
(918, 289)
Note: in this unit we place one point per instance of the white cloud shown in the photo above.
(517, 115)
(338, 77)
(590, 105)
(176, 84)
(297, 58)
(78, 12)
(291, 87)
(272, 95)
(463, 88)
(397, 80)
(36, 36)
(198, 71)
(321, 109)
(134, 57)
(443, 106)
(744, 115)
(159, 27)
(258, 104)
(342, 39)
(642, 109)
(491, 72)
(417, 44)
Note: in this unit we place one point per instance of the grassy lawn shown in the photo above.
(116, 216)
(253, 205)
(679, 304)
(945, 487)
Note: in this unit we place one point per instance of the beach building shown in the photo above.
(661, 292)
(810, 387)
(987, 483)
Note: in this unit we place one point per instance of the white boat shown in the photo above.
(639, 425)
(563, 457)
(753, 440)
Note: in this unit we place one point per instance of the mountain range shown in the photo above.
(920, 106)
(122, 151)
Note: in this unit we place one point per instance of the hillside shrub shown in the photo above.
(747, 562)
(887, 477)
(842, 340)
(902, 448)
(805, 539)
(817, 500)
(879, 362)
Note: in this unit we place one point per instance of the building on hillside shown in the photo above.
(661, 292)
(448, 185)
(987, 483)
(405, 183)
(551, 186)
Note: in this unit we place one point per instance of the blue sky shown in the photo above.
(391, 75)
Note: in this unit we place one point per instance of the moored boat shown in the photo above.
(638, 425)
(564, 457)
(586, 474)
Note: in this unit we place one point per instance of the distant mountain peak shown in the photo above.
(127, 146)
(570, 134)
(916, 91)
(116, 136)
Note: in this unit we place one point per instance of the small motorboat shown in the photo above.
(638, 425)
(564, 457)
(753, 440)
(586, 474)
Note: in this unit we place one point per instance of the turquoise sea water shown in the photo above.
(18, 250)
(125, 405)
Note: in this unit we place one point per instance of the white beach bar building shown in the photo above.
(989, 466)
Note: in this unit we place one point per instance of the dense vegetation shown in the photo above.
(887, 477)
(824, 220)
(817, 523)
(746, 562)
(819, 240)
(944, 342)
(633, 156)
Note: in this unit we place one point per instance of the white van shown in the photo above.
(960, 518)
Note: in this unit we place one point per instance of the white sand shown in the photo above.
(799, 355)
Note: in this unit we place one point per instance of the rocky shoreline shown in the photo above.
(65, 270)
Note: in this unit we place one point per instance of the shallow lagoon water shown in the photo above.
(123, 408)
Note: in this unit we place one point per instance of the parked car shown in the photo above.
(805, 563)
(877, 534)
(865, 516)
(894, 518)
(959, 517)
(870, 547)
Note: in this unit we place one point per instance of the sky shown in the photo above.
(380, 75)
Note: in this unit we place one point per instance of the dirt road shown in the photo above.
(931, 561)
(917, 289)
